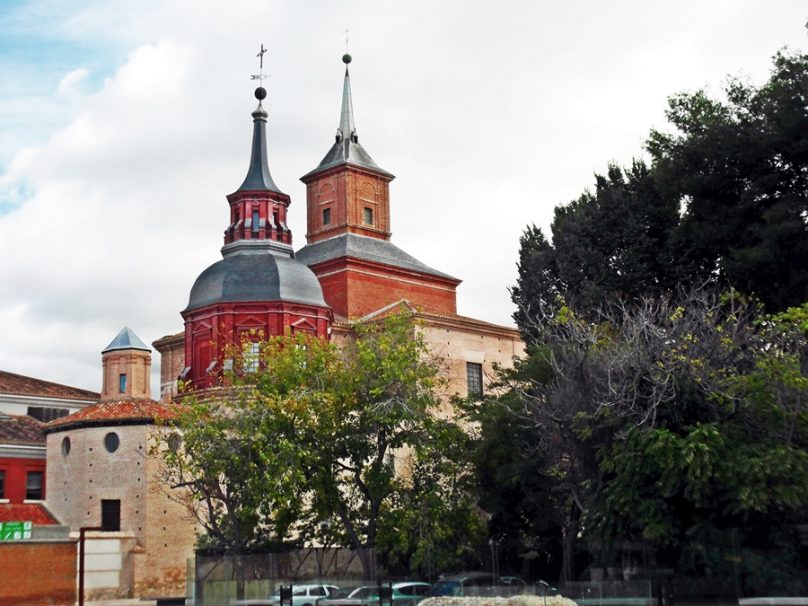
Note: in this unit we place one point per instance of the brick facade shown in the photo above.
(346, 191)
(356, 287)
(38, 572)
(163, 536)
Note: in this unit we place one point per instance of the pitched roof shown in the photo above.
(20, 385)
(132, 411)
(26, 512)
(126, 339)
(21, 430)
(363, 247)
(346, 148)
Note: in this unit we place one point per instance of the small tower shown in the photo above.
(127, 365)
(349, 248)
(347, 192)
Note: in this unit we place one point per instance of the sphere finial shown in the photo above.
(260, 93)
(346, 58)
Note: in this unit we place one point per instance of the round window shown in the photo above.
(111, 441)
(65, 446)
(174, 442)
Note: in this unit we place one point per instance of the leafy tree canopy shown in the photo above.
(325, 443)
(724, 196)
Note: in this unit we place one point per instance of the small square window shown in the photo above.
(326, 216)
(368, 216)
(122, 383)
(474, 378)
(33, 486)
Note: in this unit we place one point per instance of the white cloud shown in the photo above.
(489, 114)
(68, 84)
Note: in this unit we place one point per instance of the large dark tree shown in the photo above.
(725, 196)
(741, 167)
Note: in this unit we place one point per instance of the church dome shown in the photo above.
(256, 277)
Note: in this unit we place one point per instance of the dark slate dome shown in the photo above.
(256, 277)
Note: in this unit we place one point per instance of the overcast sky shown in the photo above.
(124, 124)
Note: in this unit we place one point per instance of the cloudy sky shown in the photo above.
(124, 124)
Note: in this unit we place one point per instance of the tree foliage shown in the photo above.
(723, 197)
(675, 421)
(323, 443)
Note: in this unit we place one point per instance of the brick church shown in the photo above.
(348, 270)
(99, 469)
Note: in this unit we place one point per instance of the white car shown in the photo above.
(305, 595)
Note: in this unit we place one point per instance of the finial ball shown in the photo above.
(346, 58)
(260, 93)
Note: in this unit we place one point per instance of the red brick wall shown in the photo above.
(41, 573)
(16, 471)
(355, 288)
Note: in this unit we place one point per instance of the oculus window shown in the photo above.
(111, 441)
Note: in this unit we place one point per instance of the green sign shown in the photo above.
(15, 531)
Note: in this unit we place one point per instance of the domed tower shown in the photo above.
(258, 289)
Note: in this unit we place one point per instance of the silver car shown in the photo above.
(305, 595)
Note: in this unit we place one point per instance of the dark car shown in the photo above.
(463, 584)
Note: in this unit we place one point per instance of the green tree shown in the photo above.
(678, 423)
(325, 443)
(723, 197)
(741, 166)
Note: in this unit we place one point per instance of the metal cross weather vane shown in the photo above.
(347, 29)
(260, 76)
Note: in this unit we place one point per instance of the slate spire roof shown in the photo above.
(346, 148)
(258, 177)
(126, 339)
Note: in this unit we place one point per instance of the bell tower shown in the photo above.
(347, 192)
(349, 248)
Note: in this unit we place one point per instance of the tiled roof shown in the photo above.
(405, 306)
(367, 248)
(119, 412)
(21, 430)
(26, 512)
(20, 385)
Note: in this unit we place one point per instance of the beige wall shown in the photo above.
(453, 344)
(136, 364)
(163, 534)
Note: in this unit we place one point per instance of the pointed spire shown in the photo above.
(126, 339)
(346, 148)
(347, 128)
(258, 177)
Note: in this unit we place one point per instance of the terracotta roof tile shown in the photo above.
(26, 512)
(20, 385)
(21, 430)
(133, 410)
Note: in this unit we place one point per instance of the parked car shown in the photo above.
(305, 595)
(404, 593)
(408, 593)
(512, 581)
(462, 584)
